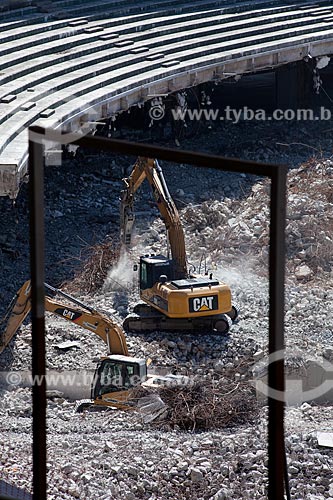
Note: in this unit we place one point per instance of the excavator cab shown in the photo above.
(115, 374)
(114, 377)
(152, 268)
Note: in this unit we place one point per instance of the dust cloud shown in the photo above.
(242, 277)
(121, 275)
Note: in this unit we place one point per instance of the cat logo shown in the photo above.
(202, 304)
(67, 313)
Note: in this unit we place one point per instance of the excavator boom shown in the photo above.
(17, 311)
(147, 168)
(80, 314)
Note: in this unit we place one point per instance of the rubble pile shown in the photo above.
(113, 455)
(310, 219)
(233, 229)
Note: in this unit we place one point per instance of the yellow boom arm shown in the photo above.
(107, 329)
(147, 168)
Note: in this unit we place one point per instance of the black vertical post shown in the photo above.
(36, 183)
(276, 456)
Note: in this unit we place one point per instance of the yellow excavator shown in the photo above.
(172, 298)
(116, 374)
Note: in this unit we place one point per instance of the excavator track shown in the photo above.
(145, 318)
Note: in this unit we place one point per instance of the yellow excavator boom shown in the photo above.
(147, 168)
(116, 374)
(17, 311)
(80, 314)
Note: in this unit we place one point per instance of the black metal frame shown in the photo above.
(36, 192)
(277, 175)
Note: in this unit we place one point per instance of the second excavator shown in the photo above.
(116, 374)
(172, 298)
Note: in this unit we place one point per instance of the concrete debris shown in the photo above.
(258, 355)
(322, 62)
(222, 494)
(325, 439)
(68, 344)
(196, 475)
(328, 353)
(303, 272)
(51, 394)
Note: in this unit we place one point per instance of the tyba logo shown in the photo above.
(202, 304)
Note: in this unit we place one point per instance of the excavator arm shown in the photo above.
(80, 314)
(147, 168)
(16, 313)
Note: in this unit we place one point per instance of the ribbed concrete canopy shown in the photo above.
(68, 62)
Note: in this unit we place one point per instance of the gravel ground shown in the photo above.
(114, 454)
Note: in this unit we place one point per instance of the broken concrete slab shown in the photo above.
(325, 439)
(64, 346)
(303, 272)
